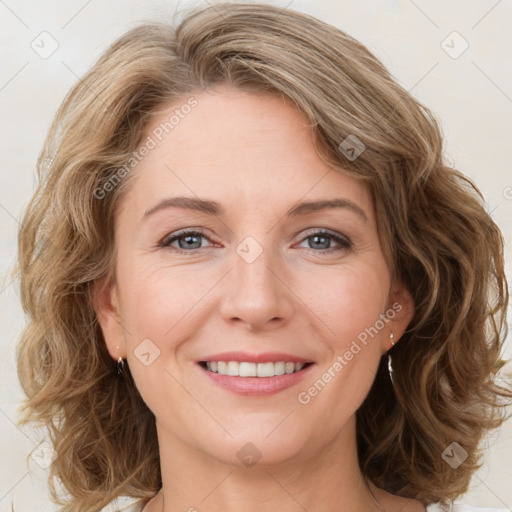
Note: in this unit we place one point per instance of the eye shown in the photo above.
(188, 239)
(322, 240)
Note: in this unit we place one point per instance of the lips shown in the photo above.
(265, 357)
(255, 374)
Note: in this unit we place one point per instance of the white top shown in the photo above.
(124, 506)
(460, 507)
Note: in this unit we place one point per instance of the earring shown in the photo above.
(390, 362)
(119, 364)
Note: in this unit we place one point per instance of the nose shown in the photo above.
(257, 295)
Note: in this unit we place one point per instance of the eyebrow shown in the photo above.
(213, 208)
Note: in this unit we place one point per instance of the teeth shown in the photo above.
(233, 369)
(244, 369)
(247, 370)
(289, 367)
(279, 368)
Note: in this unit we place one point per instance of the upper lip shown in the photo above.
(264, 357)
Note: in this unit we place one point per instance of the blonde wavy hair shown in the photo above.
(435, 232)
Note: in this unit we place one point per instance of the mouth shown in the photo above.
(250, 369)
(255, 375)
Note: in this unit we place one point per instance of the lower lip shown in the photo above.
(257, 386)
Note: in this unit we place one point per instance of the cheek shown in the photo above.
(160, 299)
(166, 302)
(159, 312)
(351, 300)
(353, 306)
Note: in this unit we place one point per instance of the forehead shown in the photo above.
(253, 149)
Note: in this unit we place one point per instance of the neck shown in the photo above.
(328, 481)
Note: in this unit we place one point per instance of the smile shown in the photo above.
(248, 369)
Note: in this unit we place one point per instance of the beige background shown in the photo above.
(471, 94)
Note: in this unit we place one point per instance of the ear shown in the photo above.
(106, 305)
(400, 313)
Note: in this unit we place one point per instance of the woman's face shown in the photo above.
(267, 280)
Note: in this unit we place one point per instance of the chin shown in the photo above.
(255, 448)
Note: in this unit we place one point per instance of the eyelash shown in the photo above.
(344, 242)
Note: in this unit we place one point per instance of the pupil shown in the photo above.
(319, 240)
(189, 240)
(325, 245)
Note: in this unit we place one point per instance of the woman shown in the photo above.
(335, 350)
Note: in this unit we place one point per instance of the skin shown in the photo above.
(255, 155)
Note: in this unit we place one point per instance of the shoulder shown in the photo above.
(125, 505)
(461, 507)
